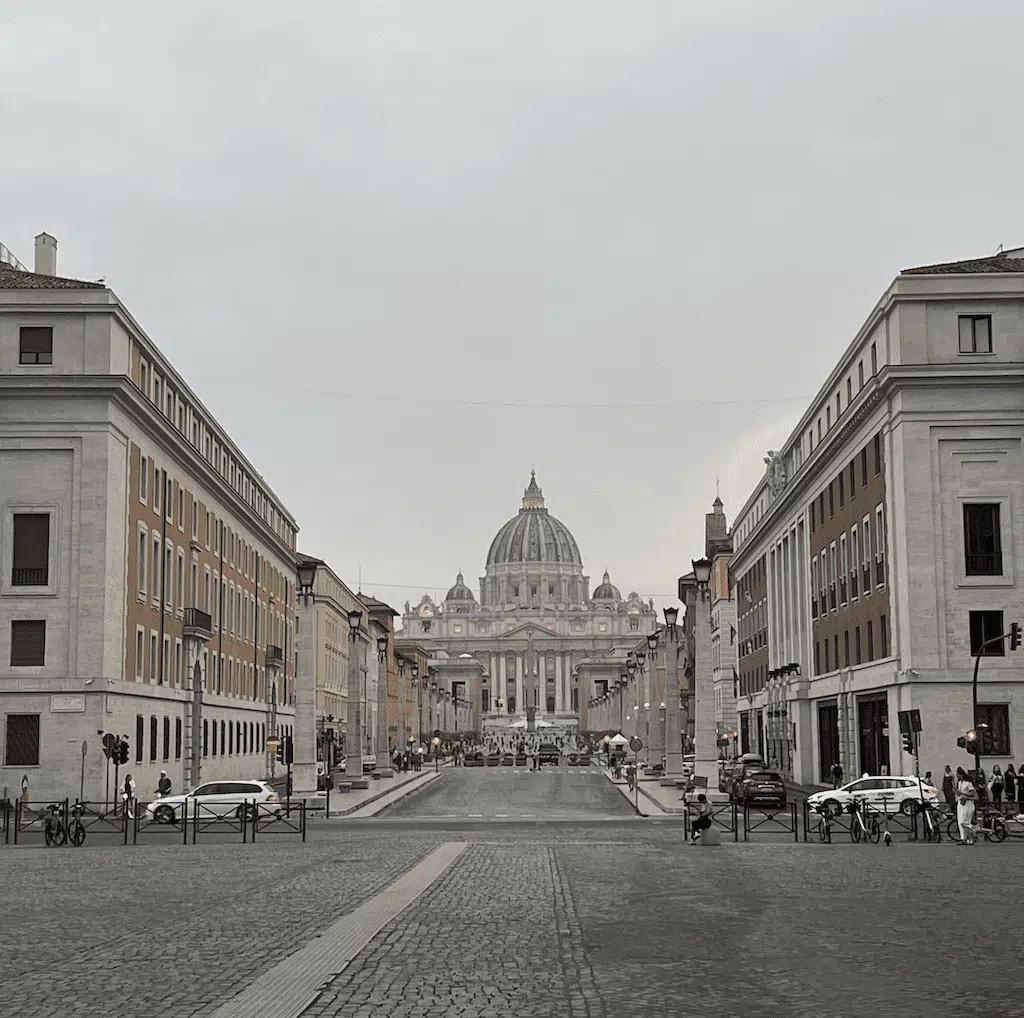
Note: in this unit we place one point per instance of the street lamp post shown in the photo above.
(354, 720)
(383, 761)
(304, 745)
(418, 686)
(705, 748)
(673, 739)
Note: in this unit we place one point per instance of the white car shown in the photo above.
(880, 792)
(216, 799)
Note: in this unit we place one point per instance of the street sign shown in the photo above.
(109, 742)
(636, 744)
(272, 743)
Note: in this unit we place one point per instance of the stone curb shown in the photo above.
(423, 779)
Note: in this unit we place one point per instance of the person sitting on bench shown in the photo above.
(703, 819)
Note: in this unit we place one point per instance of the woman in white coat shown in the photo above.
(966, 796)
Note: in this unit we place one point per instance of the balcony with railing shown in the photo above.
(198, 623)
(275, 656)
(30, 577)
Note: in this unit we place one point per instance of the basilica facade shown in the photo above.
(527, 646)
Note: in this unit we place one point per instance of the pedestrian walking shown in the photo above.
(995, 787)
(163, 786)
(949, 790)
(129, 796)
(836, 774)
(966, 797)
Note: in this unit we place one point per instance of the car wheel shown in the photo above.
(245, 812)
(908, 807)
(164, 814)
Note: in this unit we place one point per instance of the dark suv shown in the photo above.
(548, 752)
(760, 788)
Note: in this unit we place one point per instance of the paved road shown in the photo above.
(493, 793)
(581, 921)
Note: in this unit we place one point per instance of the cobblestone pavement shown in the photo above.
(512, 793)
(576, 921)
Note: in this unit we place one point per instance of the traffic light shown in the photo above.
(122, 752)
(986, 741)
(280, 750)
(969, 741)
(1014, 635)
(908, 742)
(961, 743)
(284, 750)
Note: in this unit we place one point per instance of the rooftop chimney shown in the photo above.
(46, 255)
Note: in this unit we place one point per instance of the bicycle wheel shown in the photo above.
(998, 832)
(934, 829)
(76, 834)
(56, 835)
(875, 832)
(855, 831)
(953, 831)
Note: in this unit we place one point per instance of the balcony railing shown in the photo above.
(30, 577)
(275, 656)
(197, 623)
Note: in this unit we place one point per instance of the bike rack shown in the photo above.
(22, 808)
(896, 820)
(812, 819)
(267, 820)
(770, 820)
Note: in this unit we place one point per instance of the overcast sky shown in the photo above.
(405, 251)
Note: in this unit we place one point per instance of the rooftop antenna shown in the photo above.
(360, 587)
(999, 250)
(718, 493)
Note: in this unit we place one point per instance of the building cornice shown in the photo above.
(890, 380)
(109, 304)
(121, 390)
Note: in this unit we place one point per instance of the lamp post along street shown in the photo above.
(383, 759)
(304, 776)
(354, 721)
(673, 736)
(705, 731)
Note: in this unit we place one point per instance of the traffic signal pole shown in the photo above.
(1014, 637)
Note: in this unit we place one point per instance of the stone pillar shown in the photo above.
(705, 760)
(673, 746)
(520, 703)
(502, 676)
(304, 740)
(559, 688)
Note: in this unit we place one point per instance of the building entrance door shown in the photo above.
(828, 740)
(873, 725)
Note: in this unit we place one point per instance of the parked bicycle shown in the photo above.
(75, 827)
(991, 824)
(825, 817)
(932, 820)
(862, 827)
(54, 832)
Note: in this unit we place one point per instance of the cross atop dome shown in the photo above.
(533, 496)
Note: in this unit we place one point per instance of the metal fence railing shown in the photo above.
(783, 820)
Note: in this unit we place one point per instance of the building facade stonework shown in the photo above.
(535, 627)
(882, 546)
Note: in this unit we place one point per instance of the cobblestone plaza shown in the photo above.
(417, 914)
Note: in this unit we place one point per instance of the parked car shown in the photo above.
(733, 770)
(520, 759)
(548, 752)
(493, 759)
(760, 788)
(878, 791)
(507, 759)
(474, 758)
(216, 799)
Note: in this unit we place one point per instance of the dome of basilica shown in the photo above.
(534, 535)
(607, 591)
(460, 592)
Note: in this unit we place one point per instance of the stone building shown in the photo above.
(523, 647)
(147, 570)
(880, 550)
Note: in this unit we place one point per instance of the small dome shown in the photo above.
(460, 592)
(607, 591)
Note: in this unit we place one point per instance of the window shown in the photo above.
(883, 635)
(158, 485)
(854, 561)
(31, 560)
(35, 344)
(860, 375)
(181, 580)
(152, 656)
(825, 645)
(835, 650)
(983, 553)
(181, 508)
(167, 739)
(849, 391)
(144, 378)
(864, 467)
(140, 736)
(817, 658)
(155, 563)
(996, 739)
(28, 643)
(975, 333)
(831, 502)
(853, 478)
(856, 645)
(874, 359)
(143, 479)
(828, 417)
(152, 740)
(842, 491)
(140, 652)
(177, 738)
(871, 642)
(985, 626)
(22, 741)
(846, 648)
(165, 662)
(878, 454)
(141, 564)
(812, 517)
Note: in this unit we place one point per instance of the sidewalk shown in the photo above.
(653, 800)
(381, 793)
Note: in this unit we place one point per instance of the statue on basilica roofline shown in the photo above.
(776, 471)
